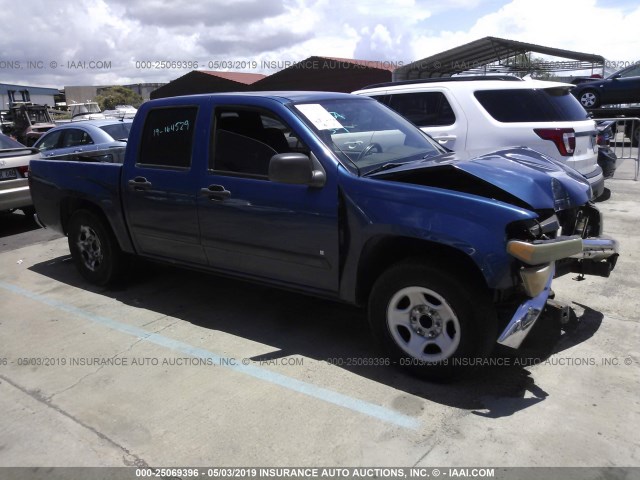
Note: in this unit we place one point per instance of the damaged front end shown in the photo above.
(564, 237)
(568, 241)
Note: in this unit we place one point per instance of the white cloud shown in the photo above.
(126, 31)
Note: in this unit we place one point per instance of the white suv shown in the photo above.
(469, 113)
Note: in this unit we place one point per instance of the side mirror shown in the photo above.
(296, 169)
(616, 76)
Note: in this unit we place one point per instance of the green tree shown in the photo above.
(112, 96)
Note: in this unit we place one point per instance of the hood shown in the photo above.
(515, 175)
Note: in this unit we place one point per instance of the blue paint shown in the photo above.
(319, 393)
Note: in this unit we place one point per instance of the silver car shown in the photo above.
(84, 137)
(14, 175)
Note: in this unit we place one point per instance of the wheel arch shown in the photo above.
(70, 205)
(381, 252)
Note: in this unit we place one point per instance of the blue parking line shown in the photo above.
(293, 384)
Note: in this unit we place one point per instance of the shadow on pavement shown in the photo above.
(295, 324)
(15, 223)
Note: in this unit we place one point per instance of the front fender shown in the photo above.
(473, 225)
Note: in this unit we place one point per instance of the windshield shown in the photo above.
(366, 133)
(118, 131)
(7, 142)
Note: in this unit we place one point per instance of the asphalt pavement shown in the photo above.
(176, 368)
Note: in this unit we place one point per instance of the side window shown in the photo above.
(384, 99)
(424, 109)
(245, 139)
(75, 137)
(632, 72)
(167, 137)
(50, 141)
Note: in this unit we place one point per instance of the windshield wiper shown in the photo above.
(381, 168)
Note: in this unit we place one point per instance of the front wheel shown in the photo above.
(94, 248)
(431, 321)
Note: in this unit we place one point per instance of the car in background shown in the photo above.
(84, 137)
(621, 87)
(488, 112)
(14, 174)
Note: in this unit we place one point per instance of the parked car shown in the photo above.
(468, 113)
(607, 158)
(337, 196)
(14, 168)
(620, 87)
(83, 137)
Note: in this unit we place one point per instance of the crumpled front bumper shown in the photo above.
(590, 256)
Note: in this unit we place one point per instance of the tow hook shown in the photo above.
(560, 314)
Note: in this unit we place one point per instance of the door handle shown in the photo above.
(215, 192)
(139, 184)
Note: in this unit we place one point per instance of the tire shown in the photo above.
(590, 99)
(432, 321)
(94, 248)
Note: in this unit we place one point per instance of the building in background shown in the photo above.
(10, 94)
(200, 81)
(328, 74)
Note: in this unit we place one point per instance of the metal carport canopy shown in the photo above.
(488, 50)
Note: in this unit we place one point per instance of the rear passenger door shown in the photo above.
(75, 140)
(159, 189)
(251, 226)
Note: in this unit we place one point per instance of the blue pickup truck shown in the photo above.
(337, 196)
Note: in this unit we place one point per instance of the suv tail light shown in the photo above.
(24, 170)
(564, 139)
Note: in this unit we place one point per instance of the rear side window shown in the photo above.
(424, 109)
(532, 105)
(167, 137)
(75, 137)
(118, 131)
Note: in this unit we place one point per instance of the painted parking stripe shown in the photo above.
(360, 406)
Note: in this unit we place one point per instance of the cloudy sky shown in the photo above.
(103, 42)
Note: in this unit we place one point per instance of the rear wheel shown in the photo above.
(431, 321)
(94, 248)
(590, 99)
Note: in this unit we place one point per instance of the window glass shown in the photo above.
(75, 137)
(245, 139)
(366, 134)
(532, 105)
(632, 72)
(167, 137)
(424, 109)
(8, 142)
(118, 131)
(50, 141)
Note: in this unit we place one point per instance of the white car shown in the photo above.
(470, 113)
(14, 168)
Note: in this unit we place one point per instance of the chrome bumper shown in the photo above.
(599, 248)
(597, 257)
(526, 316)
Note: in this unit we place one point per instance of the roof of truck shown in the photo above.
(280, 96)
